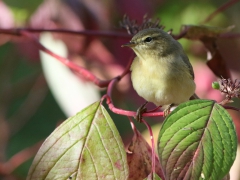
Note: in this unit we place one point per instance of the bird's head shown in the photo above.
(152, 41)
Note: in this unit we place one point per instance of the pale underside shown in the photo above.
(162, 81)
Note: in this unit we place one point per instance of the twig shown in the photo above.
(230, 107)
(230, 35)
(109, 34)
(179, 36)
(153, 145)
(84, 72)
(88, 75)
(27, 109)
(108, 97)
(121, 111)
(220, 9)
(18, 159)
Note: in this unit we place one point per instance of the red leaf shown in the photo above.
(139, 158)
(208, 36)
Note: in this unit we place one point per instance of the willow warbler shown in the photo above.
(161, 72)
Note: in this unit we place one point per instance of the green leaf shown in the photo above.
(197, 141)
(85, 146)
(153, 177)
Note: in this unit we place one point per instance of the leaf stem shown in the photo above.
(109, 34)
(153, 145)
(230, 107)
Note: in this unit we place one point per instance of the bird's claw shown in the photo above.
(142, 109)
(167, 111)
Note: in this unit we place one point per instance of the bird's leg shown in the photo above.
(167, 110)
(142, 109)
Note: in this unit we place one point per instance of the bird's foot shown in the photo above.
(142, 109)
(167, 111)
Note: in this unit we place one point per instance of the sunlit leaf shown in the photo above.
(85, 146)
(197, 141)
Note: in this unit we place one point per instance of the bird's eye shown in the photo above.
(148, 39)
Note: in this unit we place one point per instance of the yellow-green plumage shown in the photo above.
(161, 72)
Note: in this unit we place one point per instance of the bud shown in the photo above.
(216, 85)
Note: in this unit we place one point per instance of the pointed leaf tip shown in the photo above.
(85, 146)
(197, 141)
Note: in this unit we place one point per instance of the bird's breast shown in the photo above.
(162, 81)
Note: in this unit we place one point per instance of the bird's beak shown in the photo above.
(130, 44)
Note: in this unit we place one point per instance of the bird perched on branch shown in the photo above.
(161, 71)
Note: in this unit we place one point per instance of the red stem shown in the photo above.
(109, 34)
(108, 97)
(129, 113)
(230, 35)
(153, 146)
(84, 72)
(230, 107)
(88, 75)
(132, 125)
(19, 158)
(220, 9)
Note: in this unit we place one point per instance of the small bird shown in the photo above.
(161, 72)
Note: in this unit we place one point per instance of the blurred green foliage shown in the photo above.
(44, 121)
(16, 69)
(173, 15)
(28, 6)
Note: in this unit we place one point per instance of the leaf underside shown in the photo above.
(197, 141)
(85, 146)
(209, 35)
(153, 177)
(139, 156)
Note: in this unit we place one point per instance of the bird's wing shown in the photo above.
(186, 60)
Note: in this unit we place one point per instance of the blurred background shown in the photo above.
(37, 93)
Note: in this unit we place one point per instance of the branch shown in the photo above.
(230, 107)
(220, 9)
(32, 102)
(88, 75)
(84, 72)
(109, 34)
(153, 145)
(18, 159)
(230, 35)
(108, 98)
